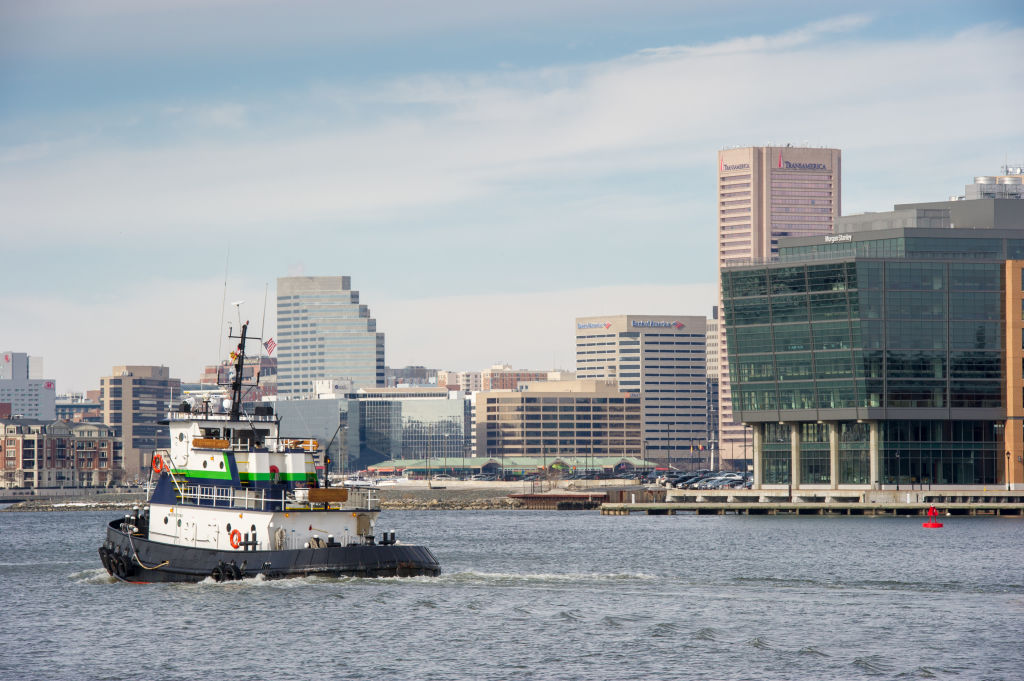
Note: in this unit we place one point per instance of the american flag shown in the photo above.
(270, 345)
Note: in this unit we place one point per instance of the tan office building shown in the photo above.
(662, 359)
(559, 419)
(135, 399)
(765, 193)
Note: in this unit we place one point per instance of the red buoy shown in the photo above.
(931, 515)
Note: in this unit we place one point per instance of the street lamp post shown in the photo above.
(897, 471)
(1007, 471)
(745, 446)
(669, 427)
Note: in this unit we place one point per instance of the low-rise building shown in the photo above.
(504, 377)
(79, 408)
(42, 453)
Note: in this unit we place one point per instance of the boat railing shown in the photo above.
(268, 500)
(364, 497)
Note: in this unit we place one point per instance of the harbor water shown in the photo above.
(544, 595)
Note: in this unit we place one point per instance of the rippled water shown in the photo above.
(544, 595)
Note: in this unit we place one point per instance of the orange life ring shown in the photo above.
(235, 538)
(159, 466)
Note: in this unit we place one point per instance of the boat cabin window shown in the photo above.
(242, 437)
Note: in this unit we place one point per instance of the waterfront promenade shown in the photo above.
(990, 508)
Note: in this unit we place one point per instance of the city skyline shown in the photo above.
(484, 176)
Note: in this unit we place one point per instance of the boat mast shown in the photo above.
(236, 382)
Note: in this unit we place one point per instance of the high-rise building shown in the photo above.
(135, 401)
(324, 333)
(22, 386)
(887, 354)
(764, 194)
(713, 354)
(661, 359)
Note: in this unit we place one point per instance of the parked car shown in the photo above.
(692, 483)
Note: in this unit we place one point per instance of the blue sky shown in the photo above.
(484, 172)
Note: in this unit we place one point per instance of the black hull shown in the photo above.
(138, 560)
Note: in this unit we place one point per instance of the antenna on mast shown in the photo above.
(263, 324)
(223, 302)
(238, 310)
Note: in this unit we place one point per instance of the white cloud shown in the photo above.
(548, 154)
(456, 138)
(763, 43)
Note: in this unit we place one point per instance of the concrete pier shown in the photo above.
(989, 508)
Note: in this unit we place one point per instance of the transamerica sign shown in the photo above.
(787, 165)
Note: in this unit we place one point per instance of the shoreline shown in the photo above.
(417, 495)
(414, 499)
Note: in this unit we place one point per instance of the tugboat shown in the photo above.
(234, 499)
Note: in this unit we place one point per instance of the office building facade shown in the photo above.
(323, 332)
(466, 381)
(550, 419)
(22, 386)
(766, 194)
(135, 401)
(874, 358)
(712, 354)
(504, 377)
(378, 424)
(79, 408)
(662, 359)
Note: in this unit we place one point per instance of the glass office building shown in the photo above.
(414, 426)
(370, 426)
(875, 358)
(323, 332)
